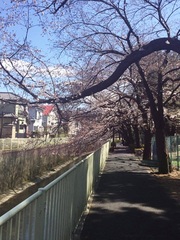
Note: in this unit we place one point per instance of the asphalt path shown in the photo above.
(130, 204)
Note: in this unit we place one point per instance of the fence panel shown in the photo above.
(173, 147)
(54, 211)
(8, 144)
(173, 150)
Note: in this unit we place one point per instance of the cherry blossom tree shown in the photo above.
(101, 37)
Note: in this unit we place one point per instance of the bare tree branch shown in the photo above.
(134, 57)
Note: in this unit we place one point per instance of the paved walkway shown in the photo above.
(130, 204)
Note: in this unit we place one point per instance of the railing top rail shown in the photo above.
(4, 218)
(51, 184)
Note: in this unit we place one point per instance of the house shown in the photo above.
(42, 120)
(50, 119)
(13, 116)
(35, 123)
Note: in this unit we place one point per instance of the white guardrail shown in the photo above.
(53, 212)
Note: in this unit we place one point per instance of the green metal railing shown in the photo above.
(173, 150)
(54, 211)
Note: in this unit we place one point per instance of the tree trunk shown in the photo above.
(130, 138)
(136, 136)
(161, 151)
(147, 144)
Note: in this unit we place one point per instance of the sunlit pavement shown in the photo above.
(130, 204)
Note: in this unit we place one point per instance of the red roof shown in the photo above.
(47, 109)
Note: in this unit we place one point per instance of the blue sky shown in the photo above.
(16, 27)
(42, 39)
(16, 22)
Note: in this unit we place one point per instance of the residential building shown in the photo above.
(50, 119)
(35, 126)
(13, 116)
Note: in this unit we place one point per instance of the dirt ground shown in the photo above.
(171, 182)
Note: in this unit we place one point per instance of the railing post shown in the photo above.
(54, 211)
(178, 151)
(40, 216)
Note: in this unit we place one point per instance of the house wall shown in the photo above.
(7, 125)
(35, 119)
(9, 131)
(21, 125)
(50, 123)
(14, 125)
(7, 108)
(50, 120)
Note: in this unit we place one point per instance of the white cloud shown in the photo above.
(24, 67)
